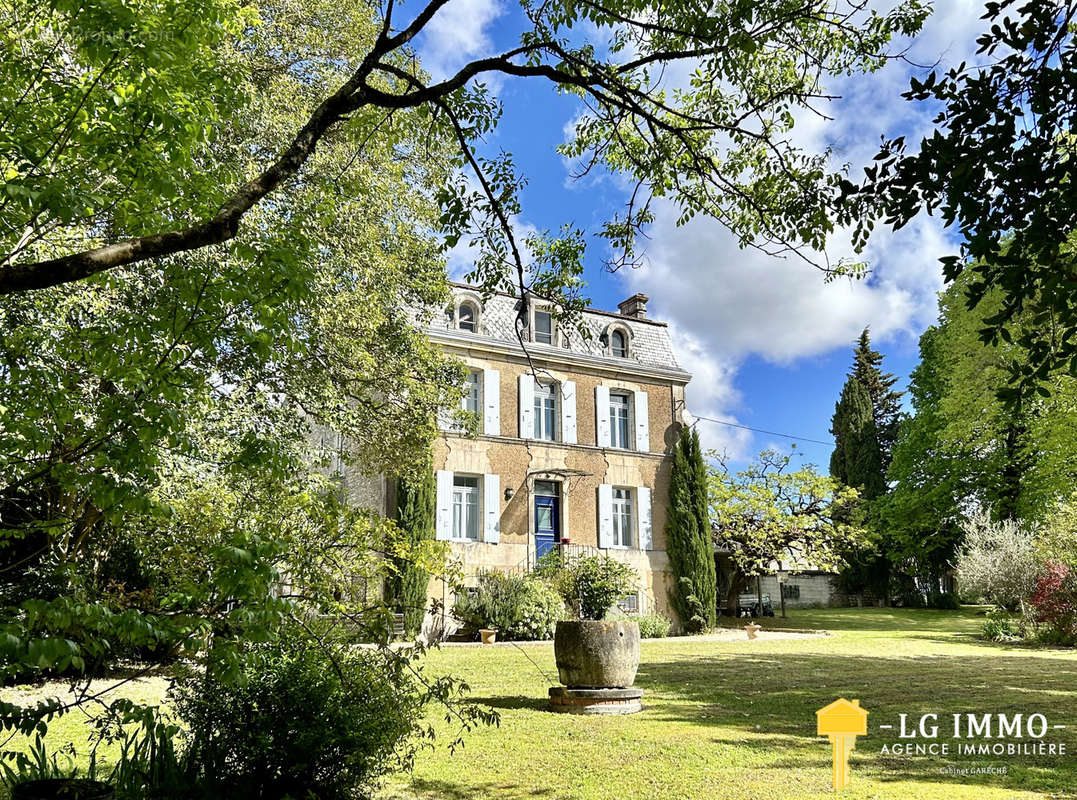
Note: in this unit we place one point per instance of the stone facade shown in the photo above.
(602, 496)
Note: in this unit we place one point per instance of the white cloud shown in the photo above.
(458, 32)
(725, 304)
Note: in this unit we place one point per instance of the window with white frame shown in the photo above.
(622, 517)
(467, 317)
(619, 344)
(543, 327)
(471, 400)
(465, 508)
(620, 405)
(546, 395)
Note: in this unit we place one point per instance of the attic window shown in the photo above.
(619, 344)
(467, 317)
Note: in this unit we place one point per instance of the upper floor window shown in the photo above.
(471, 401)
(546, 395)
(619, 344)
(619, 415)
(465, 508)
(467, 316)
(622, 517)
(543, 327)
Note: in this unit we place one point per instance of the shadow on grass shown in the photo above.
(775, 696)
(514, 703)
(468, 791)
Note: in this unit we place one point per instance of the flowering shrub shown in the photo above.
(1054, 602)
(519, 608)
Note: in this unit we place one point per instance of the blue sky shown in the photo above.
(768, 341)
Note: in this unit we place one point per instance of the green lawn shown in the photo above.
(735, 719)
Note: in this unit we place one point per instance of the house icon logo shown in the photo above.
(842, 721)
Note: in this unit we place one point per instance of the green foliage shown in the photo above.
(964, 447)
(591, 585)
(176, 81)
(520, 608)
(406, 587)
(302, 722)
(1007, 185)
(1001, 627)
(857, 459)
(653, 625)
(766, 513)
(689, 539)
(998, 561)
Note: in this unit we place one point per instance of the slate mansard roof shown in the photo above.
(649, 342)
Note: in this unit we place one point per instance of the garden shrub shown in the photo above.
(519, 608)
(301, 723)
(1001, 627)
(998, 560)
(653, 625)
(593, 584)
(947, 601)
(1054, 604)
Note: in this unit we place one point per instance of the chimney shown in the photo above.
(634, 306)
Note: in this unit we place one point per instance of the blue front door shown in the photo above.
(547, 525)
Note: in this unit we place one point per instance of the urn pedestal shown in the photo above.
(597, 662)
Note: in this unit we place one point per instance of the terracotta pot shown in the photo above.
(596, 654)
(488, 635)
(753, 629)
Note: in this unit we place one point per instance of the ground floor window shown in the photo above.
(622, 517)
(465, 508)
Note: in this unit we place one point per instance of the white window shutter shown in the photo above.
(643, 424)
(527, 406)
(568, 412)
(491, 508)
(605, 515)
(491, 402)
(602, 416)
(643, 501)
(443, 520)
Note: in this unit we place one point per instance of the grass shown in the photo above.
(736, 719)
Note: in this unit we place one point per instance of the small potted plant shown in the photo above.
(592, 652)
(753, 629)
(488, 635)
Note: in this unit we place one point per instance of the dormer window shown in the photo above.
(467, 315)
(616, 340)
(619, 344)
(543, 327)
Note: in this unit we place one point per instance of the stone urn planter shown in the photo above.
(488, 635)
(596, 653)
(597, 662)
(753, 629)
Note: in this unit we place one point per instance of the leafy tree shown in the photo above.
(964, 447)
(885, 400)
(179, 407)
(688, 537)
(857, 457)
(406, 587)
(170, 83)
(864, 427)
(998, 561)
(765, 514)
(1000, 167)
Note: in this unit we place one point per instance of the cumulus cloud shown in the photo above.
(458, 32)
(725, 304)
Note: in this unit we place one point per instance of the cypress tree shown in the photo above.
(689, 542)
(885, 401)
(406, 588)
(857, 458)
